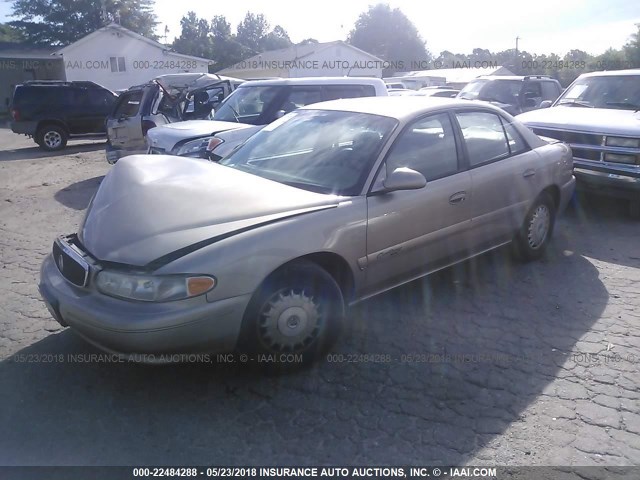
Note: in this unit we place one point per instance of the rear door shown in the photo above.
(124, 125)
(503, 174)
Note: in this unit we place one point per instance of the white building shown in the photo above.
(332, 59)
(118, 58)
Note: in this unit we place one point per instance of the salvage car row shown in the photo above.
(316, 206)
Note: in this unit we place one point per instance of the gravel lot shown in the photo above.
(514, 364)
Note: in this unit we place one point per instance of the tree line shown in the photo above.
(380, 30)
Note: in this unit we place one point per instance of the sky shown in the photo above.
(544, 26)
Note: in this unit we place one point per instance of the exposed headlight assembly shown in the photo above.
(153, 288)
(194, 148)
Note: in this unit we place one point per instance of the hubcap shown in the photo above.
(52, 139)
(289, 321)
(539, 227)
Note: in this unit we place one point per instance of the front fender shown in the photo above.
(241, 262)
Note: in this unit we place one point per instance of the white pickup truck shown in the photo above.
(598, 115)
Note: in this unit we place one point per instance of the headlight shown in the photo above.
(153, 288)
(623, 142)
(194, 148)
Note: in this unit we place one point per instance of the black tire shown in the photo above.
(533, 237)
(303, 301)
(51, 137)
(634, 209)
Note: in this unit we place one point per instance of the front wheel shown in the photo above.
(533, 237)
(295, 315)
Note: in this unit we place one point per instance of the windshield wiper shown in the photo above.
(624, 104)
(577, 103)
(235, 114)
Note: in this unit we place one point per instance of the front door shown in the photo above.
(412, 232)
(124, 125)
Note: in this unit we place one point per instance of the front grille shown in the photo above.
(70, 264)
(586, 154)
(575, 138)
(591, 146)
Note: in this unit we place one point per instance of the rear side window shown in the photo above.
(484, 137)
(516, 142)
(50, 96)
(334, 92)
(128, 104)
(18, 96)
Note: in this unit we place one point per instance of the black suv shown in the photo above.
(51, 112)
(514, 94)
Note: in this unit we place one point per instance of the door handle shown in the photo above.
(458, 197)
(529, 173)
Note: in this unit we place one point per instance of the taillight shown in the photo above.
(15, 114)
(146, 126)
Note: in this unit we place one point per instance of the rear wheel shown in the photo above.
(51, 137)
(534, 235)
(295, 314)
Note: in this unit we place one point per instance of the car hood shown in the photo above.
(604, 121)
(167, 136)
(232, 138)
(149, 206)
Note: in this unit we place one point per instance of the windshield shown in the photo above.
(617, 92)
(317, 150)
(502, 91)
(246, 104)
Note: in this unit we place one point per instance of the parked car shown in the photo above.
(394, 92)
(442, 92)
(514, 94)
(598, 115)
(166, 99)
(329, 205)
(51, 112)
(254, 105)
(424, 92)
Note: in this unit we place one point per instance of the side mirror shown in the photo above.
(404, 178)
(280, 114)
(545, 104)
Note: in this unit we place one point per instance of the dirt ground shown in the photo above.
(491, 362)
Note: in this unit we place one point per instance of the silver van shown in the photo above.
(252, 106)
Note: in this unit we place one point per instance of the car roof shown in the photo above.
(611, 73)
(398, 107)
(315, 81)
(519, 78)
